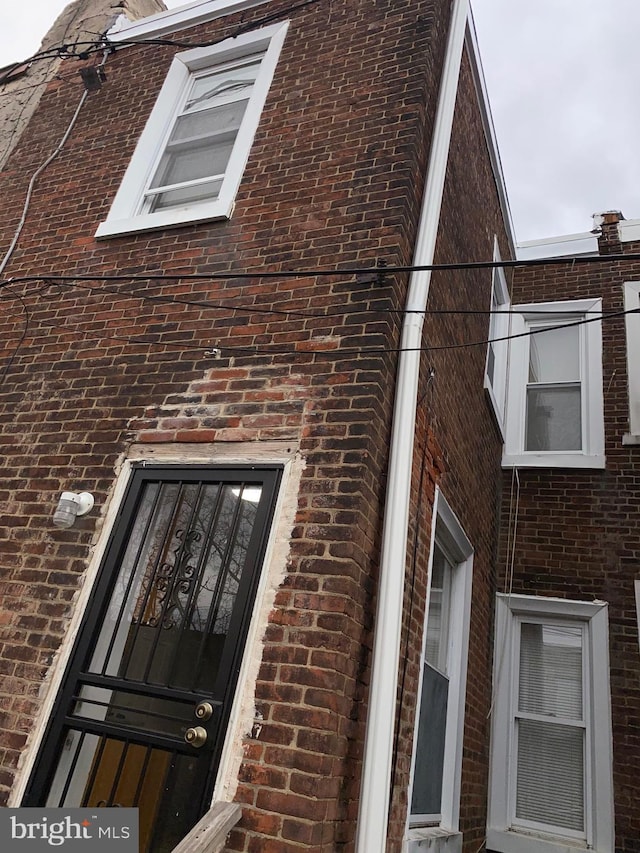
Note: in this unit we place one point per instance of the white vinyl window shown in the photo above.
(551, 737)
(554, 398)
(437, 755)
(495, 377)
(190, 158)
(632, 322)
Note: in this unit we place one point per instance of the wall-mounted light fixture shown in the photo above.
(70, 506)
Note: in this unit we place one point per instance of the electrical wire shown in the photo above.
(282, 312)
(381, 272)
(23, 336)
(275, 351)
(36, 175)
(84, 49)
(34, 178)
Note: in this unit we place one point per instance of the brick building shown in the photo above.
(567, 625)
(274, 616)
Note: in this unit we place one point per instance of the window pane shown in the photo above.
(206, 191)
(221, 86)
(554, 355)
(554, 419)
(551, 670)
(209, 122)
(426, 794)
(438, 615)
(205, 159)
(550, 786)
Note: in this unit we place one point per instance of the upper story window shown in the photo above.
(551, 761)
(437, 754)
(495, 376)
(190, 158)
(554, 400)
(632, 321)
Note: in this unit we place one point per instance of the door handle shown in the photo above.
(204, 711)
(196, 736)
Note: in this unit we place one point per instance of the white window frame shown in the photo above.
(632, 325)
(499, 327)
(453, 541)
(124, 216)
(502, 835)
(525, 318)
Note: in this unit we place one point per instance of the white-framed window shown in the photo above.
(551, 783)
(632, 323)
(554, 396)
(495, 374)
(437, 752)
(190, 158)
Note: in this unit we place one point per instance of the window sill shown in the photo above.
(115, 227)
(553, 460)
(508, 841)
(630, 439)
(433, 839)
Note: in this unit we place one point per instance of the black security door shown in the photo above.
(141, 717)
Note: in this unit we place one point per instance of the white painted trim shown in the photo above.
(499, 327)
(432, 840)
(371, 833)
(632, 326)
(501, 836)
(592, 453)
(583, 244)
(123, 217)
(189, 15)
(629, 230)
(242, 719)
(453, 540)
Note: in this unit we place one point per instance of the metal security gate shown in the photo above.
(141, 717)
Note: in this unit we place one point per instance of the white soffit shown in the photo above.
(569, 245)
(629, 229)
(180, 18)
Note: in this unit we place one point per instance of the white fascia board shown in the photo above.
(189, 15)
(632, 325)
(629, 230)
(473, 52)
(568, 245)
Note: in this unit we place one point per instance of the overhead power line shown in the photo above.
(380, 270)
(84, 49)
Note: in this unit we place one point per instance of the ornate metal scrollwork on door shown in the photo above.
(173, 582)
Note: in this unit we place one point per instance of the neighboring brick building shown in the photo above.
(220, 323)
(570, 535)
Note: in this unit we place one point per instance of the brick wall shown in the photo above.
(334, 178)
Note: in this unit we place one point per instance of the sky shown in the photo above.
(562, 78)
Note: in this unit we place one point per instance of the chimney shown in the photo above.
(605, 225)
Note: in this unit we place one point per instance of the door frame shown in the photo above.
(285, 453)
(77, 661)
